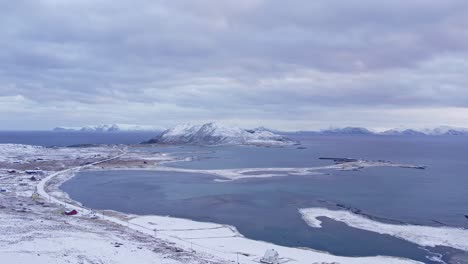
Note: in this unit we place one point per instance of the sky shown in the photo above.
(291, 65)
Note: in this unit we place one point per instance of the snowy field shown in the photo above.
(33, 228)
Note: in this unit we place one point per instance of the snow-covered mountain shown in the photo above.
(108, 128)
(446, 130)
(216, 134)
(402, 132)
(346, 131)
(438, 131)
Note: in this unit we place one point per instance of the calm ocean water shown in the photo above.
(266, 209)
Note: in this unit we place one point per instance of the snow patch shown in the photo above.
(422, 235)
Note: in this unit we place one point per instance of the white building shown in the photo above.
(271, 257)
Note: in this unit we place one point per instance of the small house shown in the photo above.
(271, 257)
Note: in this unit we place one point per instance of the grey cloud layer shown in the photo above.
(227, 59)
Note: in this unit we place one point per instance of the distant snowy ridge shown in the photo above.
(262, 133)
(438, 131)
(216, 134)
(446, 130)
(109, 128)
(347, 130)
(402, 132)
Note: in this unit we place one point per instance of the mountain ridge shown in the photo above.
(349, 130)
(109, 128)
(437, 131)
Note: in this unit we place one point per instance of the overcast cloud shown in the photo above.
(296, 64)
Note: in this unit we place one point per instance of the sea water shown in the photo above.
(267, 209)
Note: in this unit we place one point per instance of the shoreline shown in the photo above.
(35, 230)
(214, 243)
(224, 243)
(266, 172)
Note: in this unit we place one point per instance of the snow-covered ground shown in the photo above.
(33, 228)
(421, 235)
(46, 236)
(17, 153)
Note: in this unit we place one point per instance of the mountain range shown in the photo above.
(109, 128)
(438, 131)
(267, 133)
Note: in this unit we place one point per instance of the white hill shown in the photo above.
(216, 134)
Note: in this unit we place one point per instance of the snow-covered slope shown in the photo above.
(216, 134)
(108, 128)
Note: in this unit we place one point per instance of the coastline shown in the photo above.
(34, 229)
(205, 242)
(224, 242)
